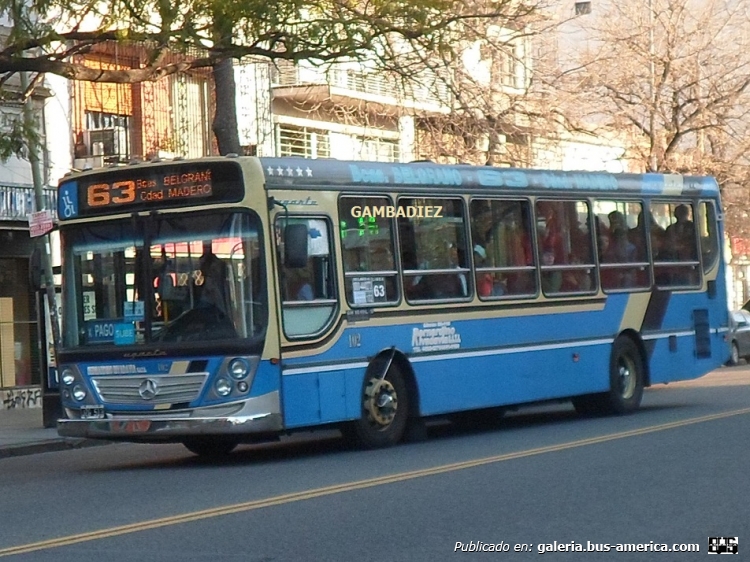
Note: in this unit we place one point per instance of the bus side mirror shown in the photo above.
(295, 245)
(35, 269)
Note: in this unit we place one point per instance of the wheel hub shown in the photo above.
(381, 401)
(627, 379)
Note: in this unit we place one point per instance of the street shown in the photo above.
(544, 479)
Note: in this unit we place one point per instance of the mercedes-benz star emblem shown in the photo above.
(148, 389)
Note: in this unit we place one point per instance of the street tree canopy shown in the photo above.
(46, 35)
(220, 29)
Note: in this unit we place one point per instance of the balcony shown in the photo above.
(355, 88)
(17, 202)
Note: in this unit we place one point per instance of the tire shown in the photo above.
(384, 413)
(626, 381)
(734, 358)
(210, 447)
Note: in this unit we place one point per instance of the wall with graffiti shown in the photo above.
(21, 397)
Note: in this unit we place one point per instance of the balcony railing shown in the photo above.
(17, 202)
(369, 83)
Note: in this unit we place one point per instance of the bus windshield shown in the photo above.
(164, 279)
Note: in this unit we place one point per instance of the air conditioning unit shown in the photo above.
(88, 162)
(112, 141)
(99, 142)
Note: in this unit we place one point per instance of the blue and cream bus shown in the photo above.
(227, 300)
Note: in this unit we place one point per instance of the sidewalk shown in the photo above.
(22, 433)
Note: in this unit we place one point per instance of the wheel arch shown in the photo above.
(401, 362)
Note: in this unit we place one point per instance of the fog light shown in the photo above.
(239, 368)
(68, 377)
(79, 393)
(223, 386)
(242, 386)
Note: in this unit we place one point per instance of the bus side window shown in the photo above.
(708, 232)
(564, 246)
(308, 292)
(501, 245)
(367, 247)
(621, 243)
(676, 262)
(434, 252)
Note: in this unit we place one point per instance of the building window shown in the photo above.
(376, 149)
(583, 8)
(302, 141)
(108, 135)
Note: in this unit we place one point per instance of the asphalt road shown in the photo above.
(672, 474)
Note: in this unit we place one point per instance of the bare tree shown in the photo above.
(672, 76)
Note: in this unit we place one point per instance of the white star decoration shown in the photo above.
(279, 171)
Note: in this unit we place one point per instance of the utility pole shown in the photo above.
(36, 176)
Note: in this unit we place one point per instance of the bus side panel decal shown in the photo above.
(654, 318)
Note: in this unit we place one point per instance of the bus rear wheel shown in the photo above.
(626, 380)
(385, 411)
(210, 447)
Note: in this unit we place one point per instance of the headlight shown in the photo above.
(223, 386)
(68, 377)
(239, 368)
(79, 393)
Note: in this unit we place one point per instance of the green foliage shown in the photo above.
(317, 30)
(15, 138)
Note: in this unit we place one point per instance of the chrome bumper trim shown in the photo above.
(258, 415)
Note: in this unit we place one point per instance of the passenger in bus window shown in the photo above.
(484, 278)
(214, 272)
(481, 225)
(621, 249)
(298, 284)
(681, 234)
(637, 235)
(551, 280)
(578, 279)
(456, 264)
(551, 236)
(616, 220)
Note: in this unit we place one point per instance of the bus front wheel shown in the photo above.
(385, 411)
(210, 447)
(626, 376)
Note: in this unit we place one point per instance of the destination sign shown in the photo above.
(152, 187)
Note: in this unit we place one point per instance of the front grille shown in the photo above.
(171, 389)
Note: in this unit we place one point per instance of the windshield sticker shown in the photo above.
(125, 333)
(134, 311)
(100, 331)
(368, 290)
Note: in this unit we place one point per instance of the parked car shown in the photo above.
(739, 335)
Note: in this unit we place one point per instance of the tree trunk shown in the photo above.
(225, 116)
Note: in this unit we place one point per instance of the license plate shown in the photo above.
(131, 426)
(92, 412)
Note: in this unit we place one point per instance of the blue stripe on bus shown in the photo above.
(506, 364)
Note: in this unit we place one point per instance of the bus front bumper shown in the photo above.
(242, 421)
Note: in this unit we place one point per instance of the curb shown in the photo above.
(49, 446)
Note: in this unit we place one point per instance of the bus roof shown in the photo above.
(303, 173)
